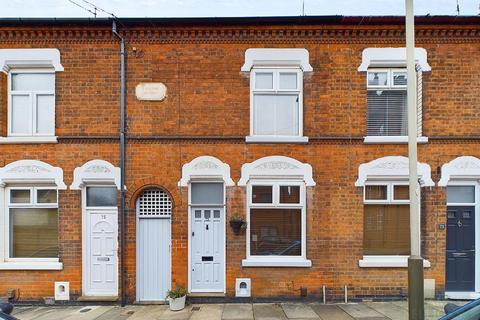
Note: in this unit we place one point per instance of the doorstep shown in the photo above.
(98, 298)
(206, 295)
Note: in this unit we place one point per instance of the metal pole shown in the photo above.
(415, 261)
(122, 157)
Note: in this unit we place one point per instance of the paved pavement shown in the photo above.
(395, 310)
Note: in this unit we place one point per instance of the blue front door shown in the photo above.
(460, 268)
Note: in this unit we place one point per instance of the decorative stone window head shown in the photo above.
(30, 58)
(277, 167)
(392, 168)
(96, 172)
(392, 57)
(31, 171)
(277, 57)
(462, 168)
(205, 167)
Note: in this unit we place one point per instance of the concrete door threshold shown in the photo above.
(98, 298)
(156, 302)
(206, 294)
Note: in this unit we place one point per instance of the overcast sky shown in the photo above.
(218, 8)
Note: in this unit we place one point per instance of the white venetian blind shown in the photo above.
(387, 113)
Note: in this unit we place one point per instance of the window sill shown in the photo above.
(387, 262)
(460, 295)
(276, 139)
(31, 265)
(28, 140)
(287, 262)
(391, 139)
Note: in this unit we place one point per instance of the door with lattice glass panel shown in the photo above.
(154, 210)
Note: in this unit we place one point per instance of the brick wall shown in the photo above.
(207, 95)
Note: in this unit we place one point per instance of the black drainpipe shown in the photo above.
(122, 155)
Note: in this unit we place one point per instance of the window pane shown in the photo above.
(47, 196)
(386, 230)
(263, 113)
(19, 196)
(262, 194)
(401, 192)
(375, 192)
(399, 78)
(387, 113)
(263, 80)
(288, 80)
(101, 197)
(207, 193)
(461, 194)
(33, 81)
(289, 194)
(33, 233)
(275, 232)
(45, 121)
(377, 78)
(286, 115)
(21, 113)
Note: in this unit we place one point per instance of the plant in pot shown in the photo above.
(176, 298)
(237, 223)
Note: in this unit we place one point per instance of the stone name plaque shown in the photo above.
(151, 91)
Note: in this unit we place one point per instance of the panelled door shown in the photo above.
(101, 251)
(460, 268)
(207, 249)
(153, 245)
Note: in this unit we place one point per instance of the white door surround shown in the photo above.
(97, 173)
(465, 171)
(206, 169)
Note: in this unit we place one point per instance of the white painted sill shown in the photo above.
(387, 262)
(391, 140)
(264, 262)
(462, 295)
(28, 140)
(31, 265)
(276, 139)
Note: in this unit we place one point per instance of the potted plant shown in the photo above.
(237, 223)
(176, 298)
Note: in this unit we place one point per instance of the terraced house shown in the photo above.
(294, 125)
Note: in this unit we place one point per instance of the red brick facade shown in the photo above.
(206, 112)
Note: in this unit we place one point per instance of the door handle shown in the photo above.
(207, 227)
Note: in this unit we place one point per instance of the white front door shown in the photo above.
(101, 253)
(207, 249)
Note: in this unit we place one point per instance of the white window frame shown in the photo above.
(386, 260)
(276, 70)
(277, 261)
(32, 95)
(389, 87)
(9, 263)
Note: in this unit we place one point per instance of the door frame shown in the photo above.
(190, 207)
(473, 294)
(137, 224)
(85, 260)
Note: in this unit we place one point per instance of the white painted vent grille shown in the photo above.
(154, 203)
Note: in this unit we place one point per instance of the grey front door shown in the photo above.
(460, 268)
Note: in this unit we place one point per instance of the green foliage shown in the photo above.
(177, 293)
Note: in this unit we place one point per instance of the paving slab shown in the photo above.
(148, 312)
(86, 314)
(118, 313)
(176, 315)
(237, 311)
(328, 311)
(268, 311)
(299, 311)
(361, 311)
(389, 309)
(207, 312)
(58, 313)
(19, 310)
(33, 313)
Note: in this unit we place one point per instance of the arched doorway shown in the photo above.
(154, 210)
